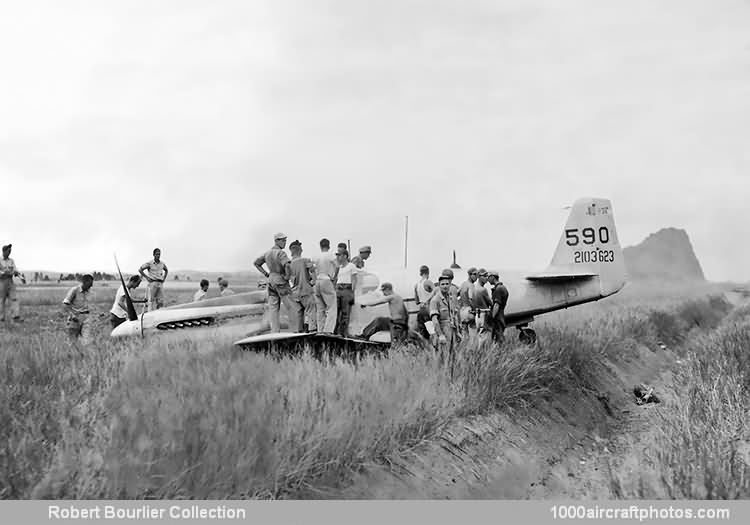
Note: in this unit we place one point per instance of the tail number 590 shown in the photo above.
(587, 235)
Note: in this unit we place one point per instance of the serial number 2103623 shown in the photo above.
(598, 255)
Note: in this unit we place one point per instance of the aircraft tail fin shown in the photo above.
(589, 244)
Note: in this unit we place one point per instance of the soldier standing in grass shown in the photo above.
(423, 291)
(78, 304)
(278, 281)
(499, 301)
(157, 274)
(8, 298)
(444, 315)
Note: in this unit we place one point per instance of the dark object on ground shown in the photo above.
(645, 394)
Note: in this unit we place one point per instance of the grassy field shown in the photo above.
(127, 420)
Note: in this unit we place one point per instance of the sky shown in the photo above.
(204, 128)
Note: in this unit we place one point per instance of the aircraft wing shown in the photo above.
(560, 277)
(289, 340)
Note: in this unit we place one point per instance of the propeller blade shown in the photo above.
(132, 315)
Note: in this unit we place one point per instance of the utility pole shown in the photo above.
(406, 241)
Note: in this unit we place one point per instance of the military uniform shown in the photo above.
(8, 297)
(303, 301)
(445, 307)
(278, 289)
(497, 315)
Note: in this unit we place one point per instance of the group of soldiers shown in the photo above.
(318, 293)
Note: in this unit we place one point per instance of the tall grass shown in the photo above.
(210, 421)
(701, 446)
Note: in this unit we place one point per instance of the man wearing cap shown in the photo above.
(78, 304)
(423, 291)
(499, 301)
(444, 315)
(398, 322)
(365, 252)
(326, 272)
(453, 288)
(8, 295)
(465, 301)
(346, 281)
(157, 274)
(278, 281)
(302, 278)
(481, 303)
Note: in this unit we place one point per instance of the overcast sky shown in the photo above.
(205, 127)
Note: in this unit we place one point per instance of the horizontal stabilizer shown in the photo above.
(560, 277)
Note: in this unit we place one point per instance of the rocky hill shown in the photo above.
(665, 255)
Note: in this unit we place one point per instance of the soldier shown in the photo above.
(278, 281)
(364, 253)
(444, 315)
(398, 321)
(499, 301)
(224, 288)
(8, 297)
(481, 303)
(465, 300)
(346, 281)
(423, 291)
(326, 271)
(157, 274)
(78, 304)
(201, 293)
(302, 281)
(119, 312)
(453, 288)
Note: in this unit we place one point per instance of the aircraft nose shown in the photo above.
(127, 329)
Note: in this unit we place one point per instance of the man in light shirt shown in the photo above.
(119, 312)
(423, 291)
(8, 297)
(78, 304)
(345, 283)
(398, 322)
(224, 288)
(364, 253)
(157, 274)
(326, 271)
(202, 291)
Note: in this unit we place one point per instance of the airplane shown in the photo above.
(587, 265)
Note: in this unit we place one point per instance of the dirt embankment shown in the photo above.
(563, 447)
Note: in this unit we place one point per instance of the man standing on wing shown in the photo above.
(326, 271)
(302, 281)
(157, 274)
(278, 289)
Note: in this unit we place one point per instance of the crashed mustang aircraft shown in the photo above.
(587, 265)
